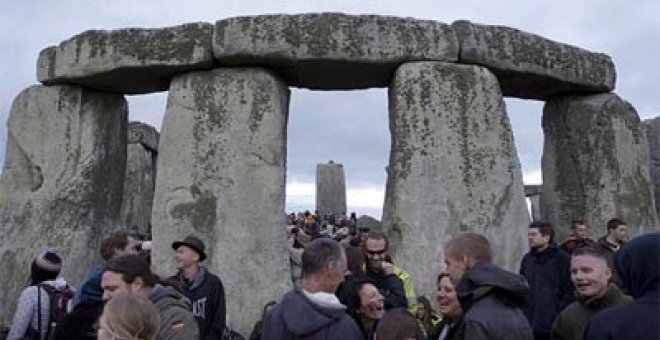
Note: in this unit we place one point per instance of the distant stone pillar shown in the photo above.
(653, 136)
(596, 164)
(453, 168)
(221, 176)
(140, 182)
(62, 182)
(330, 188)
(535, 203)
(534, 192)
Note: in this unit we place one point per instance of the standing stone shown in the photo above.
(221, 176)
(330, 188)
(62, 182)
(533, 192)
(653, 135)
(596, 165)
(453, 168)
(535, 205)
(140, 182)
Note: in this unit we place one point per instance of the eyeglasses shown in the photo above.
(376, 252)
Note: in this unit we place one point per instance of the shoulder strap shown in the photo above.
(39, 310)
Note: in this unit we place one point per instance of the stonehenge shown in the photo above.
(330, 188)
(652, 127)
(453, 167)
(62, 181)
(221, 177)
(140, 180)
(222, 151)
(596, 164)
(128, 61)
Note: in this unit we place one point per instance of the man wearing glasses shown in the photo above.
(381, 271)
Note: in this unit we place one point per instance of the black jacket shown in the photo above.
(639, 269)
(608, 250)
(297, 317)
(391, 287)
(548, 274)
(207, 295)
(492, 300)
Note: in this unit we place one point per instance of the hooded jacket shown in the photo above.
(572, 321)
(297, 317)
(207, 295)
(492, 300)
(90, 292)
(176, 320)
(638, 267)
(548, 274)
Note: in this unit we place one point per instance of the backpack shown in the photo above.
(59, 306)
(256, 331)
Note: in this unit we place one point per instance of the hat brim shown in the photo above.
(177, 244)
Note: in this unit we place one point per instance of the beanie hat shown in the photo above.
(46, 266)
(49, 262)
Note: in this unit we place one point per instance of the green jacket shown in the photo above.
(573, 320)
(408, 288)
(176, 319)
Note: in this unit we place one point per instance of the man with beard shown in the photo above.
(382, 272)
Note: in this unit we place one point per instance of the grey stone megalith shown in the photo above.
(596, 165)
(530, 66)
(330, 188)
(453, 168)
(533, 193)
(140, 181)
(130, 60)
(332, 51)
(535, 207)
(221, 177)
(653, 136)
(62, 182)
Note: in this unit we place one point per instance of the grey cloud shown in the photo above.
(349, 127)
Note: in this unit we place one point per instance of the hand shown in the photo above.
(388, 268)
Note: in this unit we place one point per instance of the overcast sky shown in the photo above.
(350, 127)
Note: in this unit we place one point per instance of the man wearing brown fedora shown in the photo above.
(204, 289)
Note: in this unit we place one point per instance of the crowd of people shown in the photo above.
(347, 286)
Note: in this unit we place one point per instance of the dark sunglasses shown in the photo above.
(377, 252)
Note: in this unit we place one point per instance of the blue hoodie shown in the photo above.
(90, 293)
(638, 266)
